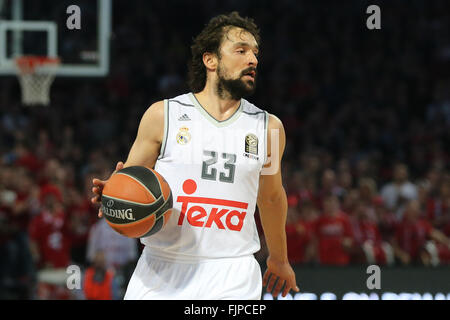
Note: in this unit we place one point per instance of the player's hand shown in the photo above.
(279, 275)
(97, 189)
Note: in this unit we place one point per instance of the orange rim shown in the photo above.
(27, 64)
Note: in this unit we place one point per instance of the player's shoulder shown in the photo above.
(158, 106)
(250, 109)
(154, 114)
(273, 121)
(182, 100)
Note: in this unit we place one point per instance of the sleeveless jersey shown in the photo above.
(213, 169)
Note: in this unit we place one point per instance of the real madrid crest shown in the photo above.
(183, 136)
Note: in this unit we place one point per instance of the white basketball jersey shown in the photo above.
(213, 170)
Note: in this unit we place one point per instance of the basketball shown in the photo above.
(136, 202)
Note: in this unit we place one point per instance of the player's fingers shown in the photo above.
(96, 199)
(100, 214)
(272, 281)
(96, 190)
(98, 182)
(290, 285)
(119, 166)
(279, 285)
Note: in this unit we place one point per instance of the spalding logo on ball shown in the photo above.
(137, 202)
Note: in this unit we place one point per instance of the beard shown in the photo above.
(234, 88)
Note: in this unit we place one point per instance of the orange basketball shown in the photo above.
(136, 202)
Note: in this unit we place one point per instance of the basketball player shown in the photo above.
(213, 144)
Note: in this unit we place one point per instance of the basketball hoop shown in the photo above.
(36, 75)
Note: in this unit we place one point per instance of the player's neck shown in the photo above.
(219, 108)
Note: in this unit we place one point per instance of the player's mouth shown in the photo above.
(250, 74)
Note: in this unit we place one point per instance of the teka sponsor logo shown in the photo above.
(224, 214)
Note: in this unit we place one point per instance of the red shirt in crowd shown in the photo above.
(49, 232)
(412, 235)
(298, 236)
(387, 225)
(367, 230)
(438, 213)
(81, 217)
(330, 232)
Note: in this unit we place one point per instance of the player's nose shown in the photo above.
(253, 60)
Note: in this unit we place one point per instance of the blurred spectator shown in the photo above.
(82, 216)
(416, 240)
(329, 186)
(438, 207)
(17, 272)
(49, 233)
(299, 231)
(303, 188)
(23, 157)
(120, 253)
(117, 249)
(344, 184)
(99, 283)
(386, 220)
(79, 224)
(395, 194)
(369, 245)
(367, 188)
(333, 234)
(349, 202)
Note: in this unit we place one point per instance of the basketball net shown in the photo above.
(36, 75)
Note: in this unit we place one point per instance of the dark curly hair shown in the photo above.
(210, 39)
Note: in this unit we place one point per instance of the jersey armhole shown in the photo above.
(166, 129)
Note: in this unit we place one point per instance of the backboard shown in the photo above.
(39, 27)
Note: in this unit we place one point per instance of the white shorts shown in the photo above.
(212, 279)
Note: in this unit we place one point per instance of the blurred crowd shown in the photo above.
(367, 119)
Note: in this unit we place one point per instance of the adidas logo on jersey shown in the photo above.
(184, 117)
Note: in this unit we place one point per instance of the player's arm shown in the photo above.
(145, 149)
(272, 205)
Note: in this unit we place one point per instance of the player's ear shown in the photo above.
(210, 61)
